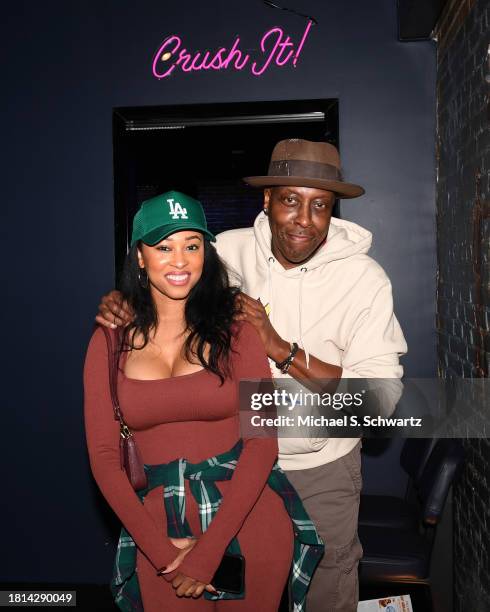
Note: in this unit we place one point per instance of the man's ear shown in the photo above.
(267, 197)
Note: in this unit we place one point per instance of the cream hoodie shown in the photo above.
(338, 307)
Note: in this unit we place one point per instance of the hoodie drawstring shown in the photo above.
(270, 261)
(300, 308)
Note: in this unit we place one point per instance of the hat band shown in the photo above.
(304, 168)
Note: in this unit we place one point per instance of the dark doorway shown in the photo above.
(205, 150)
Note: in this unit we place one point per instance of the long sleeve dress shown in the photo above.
(193, 417)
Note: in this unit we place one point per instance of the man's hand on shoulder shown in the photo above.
(114, 311)
(254, 312)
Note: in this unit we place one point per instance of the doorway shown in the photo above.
(205, 150)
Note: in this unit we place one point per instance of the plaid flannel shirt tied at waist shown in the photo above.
(308, 546)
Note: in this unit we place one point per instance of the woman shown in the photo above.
(181, 361)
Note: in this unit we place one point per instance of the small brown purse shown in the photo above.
(131, 461)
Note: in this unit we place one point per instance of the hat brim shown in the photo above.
(341, 189)
(160, 233)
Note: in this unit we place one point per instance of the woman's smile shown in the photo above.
(178, 278)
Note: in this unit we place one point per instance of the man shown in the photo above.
(324, 310)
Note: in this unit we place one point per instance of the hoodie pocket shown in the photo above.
(299, 446)
(318, 443)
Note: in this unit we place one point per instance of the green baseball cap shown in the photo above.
(166, 214)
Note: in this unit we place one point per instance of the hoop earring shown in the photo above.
(143, 278)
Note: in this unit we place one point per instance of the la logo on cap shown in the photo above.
(176, 209)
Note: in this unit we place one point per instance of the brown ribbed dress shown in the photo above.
(191, 416)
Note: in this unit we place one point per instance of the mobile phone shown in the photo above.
(230, 575)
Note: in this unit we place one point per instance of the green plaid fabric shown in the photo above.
(308, 546)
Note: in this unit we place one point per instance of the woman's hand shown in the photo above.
(114, 311)
(185, 545)
(185, 586)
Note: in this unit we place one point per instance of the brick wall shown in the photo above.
(463, 227)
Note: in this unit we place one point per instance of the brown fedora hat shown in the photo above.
(303, 163)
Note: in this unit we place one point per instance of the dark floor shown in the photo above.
(97, 598)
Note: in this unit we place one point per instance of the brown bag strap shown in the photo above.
(113, 356)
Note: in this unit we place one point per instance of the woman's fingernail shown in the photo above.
(113, 326)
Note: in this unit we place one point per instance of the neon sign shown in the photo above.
(276, 48)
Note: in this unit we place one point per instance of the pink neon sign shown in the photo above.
(276, 48)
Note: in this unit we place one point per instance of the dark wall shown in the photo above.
(463, 321)
(69, 64)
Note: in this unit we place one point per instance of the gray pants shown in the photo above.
(330, 494)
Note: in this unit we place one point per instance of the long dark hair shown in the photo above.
(209, 311)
